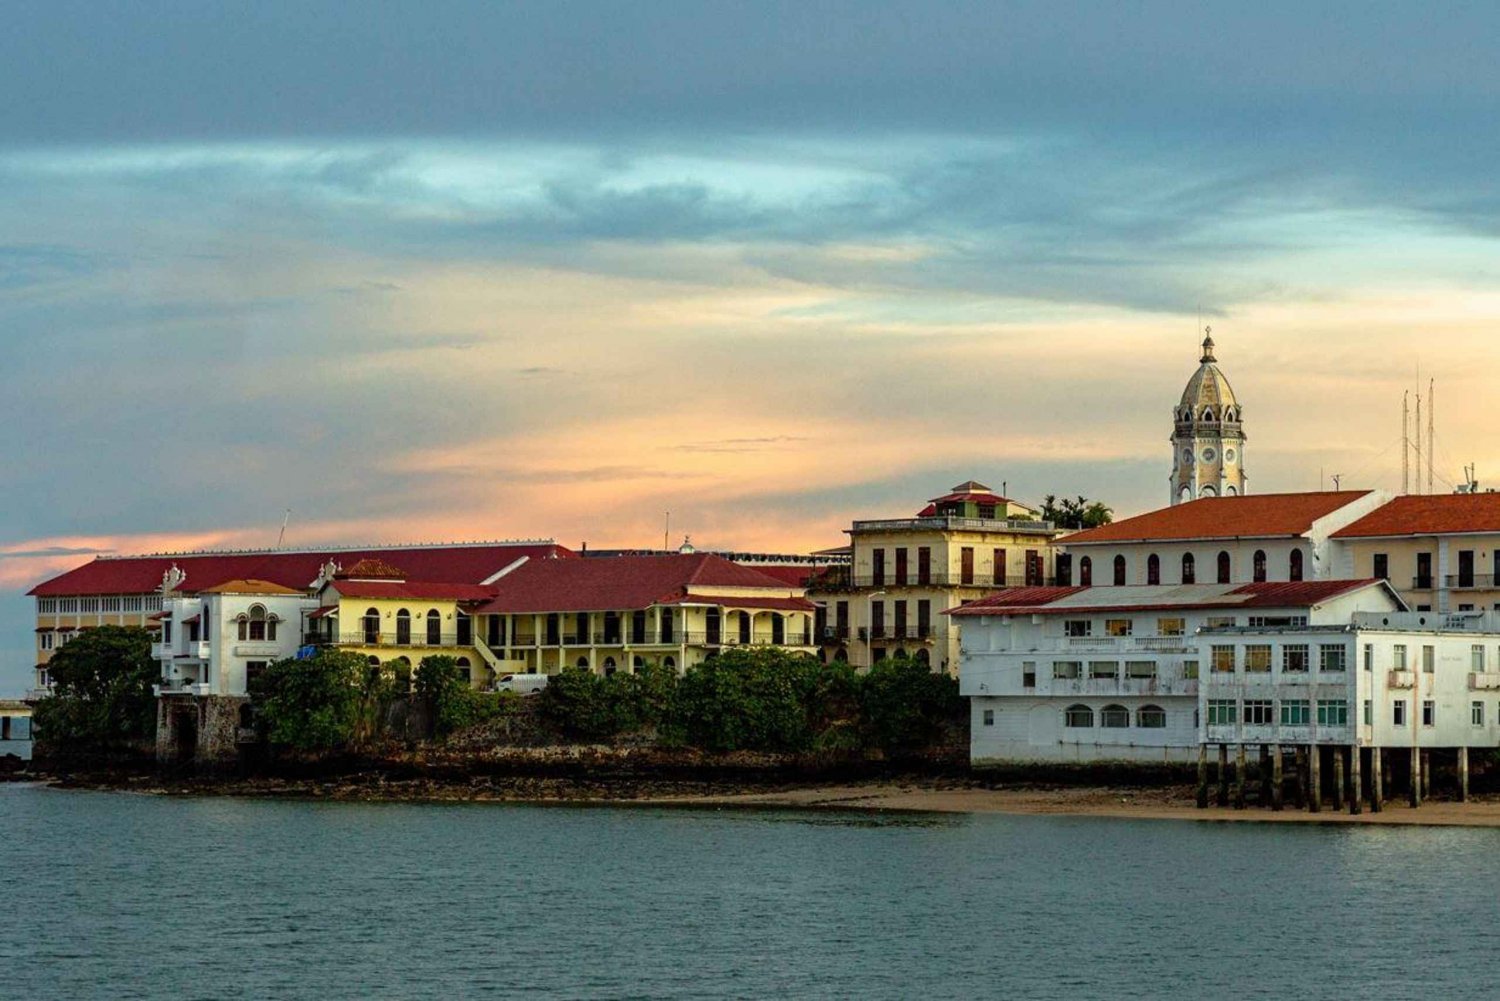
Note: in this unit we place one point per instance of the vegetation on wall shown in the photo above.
(102, 698)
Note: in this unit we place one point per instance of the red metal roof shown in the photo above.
(1254, 516)
(793, 576)
(1297, 594)
(142, 574)
(414, 590)
(618, 583)
(1434, 514)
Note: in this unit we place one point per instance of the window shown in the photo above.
(1226, 568)
(1369, 656)
(1086, 572)
(877, 567)
(1221, 712)
(1295, 712)
(1066, 669)
(1429, 659)
(1064, 570)
(1294, 570)
(1429, 712)
(1259, 568)
(434, 627)
(966, 565)
(1153, 569)
(1171, 627)
(1466, 568)
(1476, 714)
(1258, 658)
(1189, 569)
(1078, 716)
(1332, 658)
(989, 717)
(1140, 669)
(1222, 621)
(1077, 627)
(999, 568)
(924, 618)
(1333, 712)
(1369, 712)
(1294, 658)
(1382, 568)
(877, 619)
(371, 623)
(1223, 660)
(1117, 627)
(1036, 568)
(1424, 572)
(46, 641)
(1278, 621)
(1028, 674)
(1398, 712)
(901, 566)
(1114, 717)
(1398, 657)
(1151, 718)
(1257, 712)
(1476, 658)
(1104, 669)
(638, 625)
(1119, 571)
(1190, 670)
(253, 670)
(924, 565)
(258, 629)
(403, 628)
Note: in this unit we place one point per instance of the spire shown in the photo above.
(1208, 346)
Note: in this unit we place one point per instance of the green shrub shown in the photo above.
(102, 698)
(314, 704)
(904, 705)
(580, 705)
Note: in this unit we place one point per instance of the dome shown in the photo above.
(1208, 387)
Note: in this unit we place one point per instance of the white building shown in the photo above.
(1218, 540)
(1113, 673)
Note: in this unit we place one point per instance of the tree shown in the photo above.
(451, 703)
(580, 705)
(313, 704)
(1079, 513)
(751, 700)
(904, 705)
(102, 698)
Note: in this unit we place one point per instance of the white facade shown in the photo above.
(1407, 680)
(210, 642)
(1113, 674)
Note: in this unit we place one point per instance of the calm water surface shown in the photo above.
(122, 896)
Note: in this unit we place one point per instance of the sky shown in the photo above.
(449, 271)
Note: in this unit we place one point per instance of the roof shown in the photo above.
(413, 590)
(1433, 514)
(296, 569)
(1137, 598)
(968, 492)
(791, 576)
(774, 604)
(1252, 516)
(372, 568)
(263, 587)
(1208, 387)
(621, 582)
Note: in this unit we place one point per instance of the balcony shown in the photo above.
(948, 523)
(945, 579)
(379, 639)
(1484, 682)
(1470, 581)
(1400, 679)
(1422, 583)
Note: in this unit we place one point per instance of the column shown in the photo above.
(1426, 775)
(1223, 798)
(1239, 776)
(1338, 778)
(1314, 776)
(1202, 775)
(1356, 786)
(1265, 775)
(1463, 774)
(1276, 778)
(1299, 776)
(1414, 792)
(1377, 779)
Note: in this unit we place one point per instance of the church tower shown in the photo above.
(1208, 444)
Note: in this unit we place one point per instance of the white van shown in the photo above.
(526, 684)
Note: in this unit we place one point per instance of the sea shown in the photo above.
(119, 896)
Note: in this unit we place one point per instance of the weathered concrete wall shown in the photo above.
(200, 729)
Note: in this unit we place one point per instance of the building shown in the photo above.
(1223, 540)
(627, 612)
(134, 590)
(903, 573)
(1441, 552)
(1113, 673)
(1355, 702)
(1208, 436)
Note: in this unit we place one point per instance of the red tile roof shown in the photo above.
(142, 574)
(1254, 516)
(1434, 514)
(413, 590)
(372, 568)
(1297, 594)
(793, 576)
(619, 582)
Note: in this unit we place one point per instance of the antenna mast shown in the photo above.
(666, 533)
(280, 539)
(1406, 442)
(1418, 437)
(1431, 416)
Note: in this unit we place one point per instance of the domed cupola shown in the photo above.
(1208, 440)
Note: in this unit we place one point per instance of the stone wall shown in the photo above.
(202, 730)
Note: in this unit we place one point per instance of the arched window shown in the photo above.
(1294, 572)
(900, 653)
(434, 627)
(841, 655)
(371, 622)
(1186, 493)
(1230, 491)
(1208, 415)
(1114, 717)
(373, 661)
(638, 662)
(1151, 718)
(583, 662)
(744, 628)
(258, 619)
(403, 628)
(1260, 566)
(778, 630)
(1226, 568)
(924, 658)
(1209, 492)
(609, 665)
(1153, 569)
(465, 669)
(1086, 572)
(1078, 716)
(1119, 571)
(669, 662)
(1189, 569)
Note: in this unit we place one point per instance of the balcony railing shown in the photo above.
(362, 638)
(1464, 582)
(947, 579)
(948, 523)
(1420, 583)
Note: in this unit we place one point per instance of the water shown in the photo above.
(122, 896)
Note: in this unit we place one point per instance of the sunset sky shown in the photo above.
(451, 271)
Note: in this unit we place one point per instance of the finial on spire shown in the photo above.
(1208, 345)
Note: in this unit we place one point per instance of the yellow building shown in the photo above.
(905, 572)
(1441, 552)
